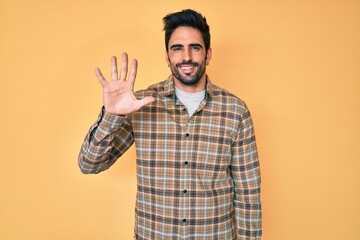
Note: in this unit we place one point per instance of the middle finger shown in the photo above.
(114, 70)
(124, 66)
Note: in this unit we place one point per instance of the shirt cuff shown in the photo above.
(110, 122)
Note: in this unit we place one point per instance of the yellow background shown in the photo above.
(295, 63)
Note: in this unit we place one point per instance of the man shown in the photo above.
(197, 162)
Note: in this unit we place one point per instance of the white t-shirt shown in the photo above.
(190, 100)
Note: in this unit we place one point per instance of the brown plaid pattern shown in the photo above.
(194, 174)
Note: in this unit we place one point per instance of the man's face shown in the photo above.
(187, 55)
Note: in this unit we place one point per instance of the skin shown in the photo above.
(185, 45)
(118, 95)
(188, 58)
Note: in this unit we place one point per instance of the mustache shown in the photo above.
(194, 64)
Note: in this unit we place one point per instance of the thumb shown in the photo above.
(145, 101)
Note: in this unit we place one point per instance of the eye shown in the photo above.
(196, 48)
(176, 48)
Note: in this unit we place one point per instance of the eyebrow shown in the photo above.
(176, 45)
(195, 45)
(190, 45)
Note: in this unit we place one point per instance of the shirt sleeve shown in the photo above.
(245, 170)
(106, 141)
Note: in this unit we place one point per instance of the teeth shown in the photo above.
(186, 68)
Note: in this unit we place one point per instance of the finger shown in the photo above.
(124, 67)
(100, 77)
(114, 70)
(133, 71)
(145, 101)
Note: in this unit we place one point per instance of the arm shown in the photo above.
(245, 170)
(112, 135)
(107, 140)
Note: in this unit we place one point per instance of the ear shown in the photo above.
(167, 57)
(208, 56)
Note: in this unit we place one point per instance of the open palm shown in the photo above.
(118, 94)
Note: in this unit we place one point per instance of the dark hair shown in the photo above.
(186, 18)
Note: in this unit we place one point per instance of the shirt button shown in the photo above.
(186, 162)
(185, 191)
(184, 220)
(187, 134)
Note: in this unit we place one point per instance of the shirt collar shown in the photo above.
(169, 89)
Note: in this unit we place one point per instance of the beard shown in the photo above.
(189, 79)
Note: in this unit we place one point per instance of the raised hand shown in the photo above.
(119, 95)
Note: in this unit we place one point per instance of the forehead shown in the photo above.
(185, 36)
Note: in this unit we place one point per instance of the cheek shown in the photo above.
(174, 59)
(199, 57)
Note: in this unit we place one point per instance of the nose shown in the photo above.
(187, 56)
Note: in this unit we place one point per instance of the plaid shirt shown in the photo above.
(194, 173)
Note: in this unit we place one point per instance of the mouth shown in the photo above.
(187, 68)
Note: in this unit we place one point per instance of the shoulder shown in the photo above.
(227, 100)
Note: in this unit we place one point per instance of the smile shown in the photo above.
(187, 68)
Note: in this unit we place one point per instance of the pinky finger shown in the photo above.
(100, 77)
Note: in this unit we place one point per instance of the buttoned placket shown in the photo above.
(184, 169)
(187, 124)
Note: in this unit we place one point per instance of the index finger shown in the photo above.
(133, 70)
